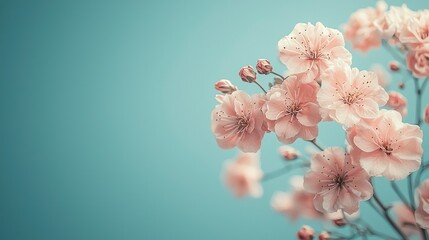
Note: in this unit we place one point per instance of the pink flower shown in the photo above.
(311, 48)
(225, 86)
(337, 181)
(397, 102)
(361, 31)
(418, 61)
(247, 74)
(422, 212)
(305, 233)
(348, 95)
(414, 32)
(385, 146)
(383, 76)
(243, 175)
(390, 23)
(405, 219)
(263, 66)
(292, 111)
(289, 153)
(298, 203)
(239, 121)
(427, 113)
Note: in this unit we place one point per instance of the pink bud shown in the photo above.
(247, 74)
(427, 114)
(324, 235)
(401, 85)
(289, 153)
(225, 86)
(305, 233)
(264, 66)
(394, 66)
(339, 222)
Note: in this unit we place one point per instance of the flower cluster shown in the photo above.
(322, 85)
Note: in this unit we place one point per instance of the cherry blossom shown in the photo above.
(347, 94)
(422, 212)
(337, 181)
(311, 48)
(415, 31)
(390, 23)
(239, 121)
(418, 61)
(288, 152)
(385, 146)
(292, 111)
(243, 175)
(361, 30)
(397, 102)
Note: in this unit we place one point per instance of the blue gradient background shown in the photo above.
(105, 116)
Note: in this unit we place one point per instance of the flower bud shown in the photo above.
(225, 86)
(401, 85)
(247, 74)
(324, 235)
(339, 222)
(289, 153)
(305, 233)
(264, 66)
(427, 114)
(394, 66)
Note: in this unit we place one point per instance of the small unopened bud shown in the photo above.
(264, 66)
(324, 235)
(225, 86)
(427, 114)
(247, 74)
(401, 85)
(340, 222)
(305, 233)
(289, 153)
(394, 66)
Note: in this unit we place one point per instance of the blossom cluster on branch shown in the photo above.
(322, 85)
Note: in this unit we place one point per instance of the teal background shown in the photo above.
(105, 116)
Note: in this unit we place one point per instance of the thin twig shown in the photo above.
(260, 87)
(316, 144)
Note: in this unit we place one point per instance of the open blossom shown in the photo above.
(311, 48)
(405, 219)
(243, 175)
(239, 121)
(397, 102)
(415, 31)
(361, 31)
(418, 61)
(385, 146)
(348, 95)
(337, 181)
(292, 111)
(298, 203)
(422, 212)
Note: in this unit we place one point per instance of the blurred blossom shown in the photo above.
(390, 23)
(239, 121)
(414, 32)
(225, 86)
(305, 233)
(247, 74)
(298, 203)
(422, 212)
(312, 48)
(397, 102)
(348, 94)
(243, 175)
(418, 61)
(324, 235)
(405, 219)
(337, 181)
(292, 111)
(288, 152)
(263, 66)
(385, 146)
(394, 66)
(383, 77)
(361, 30)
